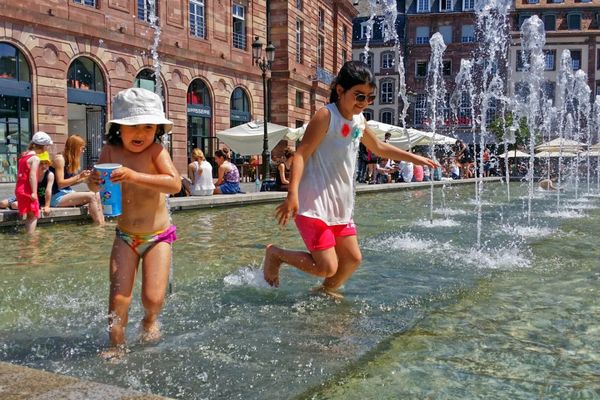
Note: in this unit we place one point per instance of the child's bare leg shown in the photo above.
(155, 277)
(321, 263)
(123, 267)
(30, 223)
(349, 258)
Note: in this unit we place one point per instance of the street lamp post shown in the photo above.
(264, 63)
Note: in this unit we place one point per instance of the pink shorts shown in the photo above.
(317, 235)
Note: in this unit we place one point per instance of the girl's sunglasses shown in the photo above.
(361, 98)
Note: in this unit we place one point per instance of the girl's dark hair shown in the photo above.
(351, 74)
(223, 153)
(113, 136)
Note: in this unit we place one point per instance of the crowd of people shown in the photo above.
(459, 164)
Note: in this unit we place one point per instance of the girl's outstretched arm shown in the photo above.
(390, 151)
(314, 134)
(167, 179)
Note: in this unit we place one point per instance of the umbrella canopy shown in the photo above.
(554, 154)
(591, 153)
(513, 154)
(564, 144)
(399, 138)
(247, 139)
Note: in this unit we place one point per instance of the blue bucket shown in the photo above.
(110, 193)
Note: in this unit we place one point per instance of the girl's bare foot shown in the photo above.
(271, 266)
(114, 353)
(334, 294)
(150, 332)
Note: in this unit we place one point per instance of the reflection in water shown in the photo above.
(426, 315)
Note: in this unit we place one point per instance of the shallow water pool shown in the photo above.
(428, 315)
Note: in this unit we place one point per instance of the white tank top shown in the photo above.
(203, 184)
(326, 190)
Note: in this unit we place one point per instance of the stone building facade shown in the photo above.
(570, 25)
(416, 22)
(62, 61)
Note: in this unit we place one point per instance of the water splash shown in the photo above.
(533, 39)
(436, 90)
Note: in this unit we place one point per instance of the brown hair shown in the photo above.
(223, 153)
(197, 154)
(288, 152)
(71, 153)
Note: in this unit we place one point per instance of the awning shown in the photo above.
(247, 139)
(514, 154)
(399, 137)
(556, 145)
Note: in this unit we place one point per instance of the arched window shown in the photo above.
(146, 79)
(84, 74)
(86, 106)
(199, 117)
(240, 108)
(15, 109)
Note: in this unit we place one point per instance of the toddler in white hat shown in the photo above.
(144, 231)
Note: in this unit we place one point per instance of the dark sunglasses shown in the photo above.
(361, 98)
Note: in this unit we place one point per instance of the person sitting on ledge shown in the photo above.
(282, 175)
(200, 180)
(67, 172)
(228, 181)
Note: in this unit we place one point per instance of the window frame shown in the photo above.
(467, 39)
(447, 2)
(387, 88)
(468, 5)
(387, 60)
(321, 51)
(445, 28)
(579, 58)
(422, 39)
(387, 111)
(426, 66)
(194, 32)
(299, 41)
(238, 38)
(546, 25)
(423, 6)
(369, 61)
(84, 3)
(571, 15)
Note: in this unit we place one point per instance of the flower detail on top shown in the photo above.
(345, 130)
(355, 132)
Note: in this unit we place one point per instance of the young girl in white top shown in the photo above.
(321, 191)
(200, 182)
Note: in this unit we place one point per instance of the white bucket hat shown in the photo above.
(41, 139)
(136, 106)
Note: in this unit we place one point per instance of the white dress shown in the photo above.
(202, 184)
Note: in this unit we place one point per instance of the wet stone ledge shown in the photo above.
(10, 218)
(22, 383)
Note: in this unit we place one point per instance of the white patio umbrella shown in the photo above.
(567, 145)
(554, 154)
(591, 153)
(247, 139)
(514, 154)
(399, 137)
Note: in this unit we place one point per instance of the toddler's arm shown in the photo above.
(167, 180)
(48, 193)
